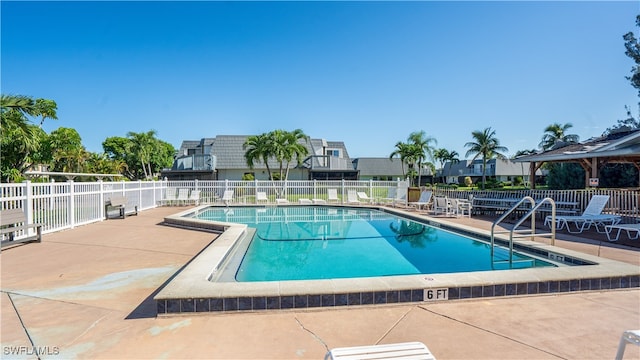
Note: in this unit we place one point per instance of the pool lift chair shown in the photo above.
(514, 232)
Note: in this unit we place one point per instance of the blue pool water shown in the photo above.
(316, 242)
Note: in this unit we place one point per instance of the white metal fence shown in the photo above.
(64, 205)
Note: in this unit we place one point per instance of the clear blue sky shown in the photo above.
(366, 73)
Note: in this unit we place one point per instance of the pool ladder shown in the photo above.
(514, 232)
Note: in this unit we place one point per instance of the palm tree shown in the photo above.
(444, 155)
(487, 146)
(257, 149)
(143, 145)
(556, 133)
(422, 149)
(404, 152)
(293, 149)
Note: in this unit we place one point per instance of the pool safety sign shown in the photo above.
(436, 294)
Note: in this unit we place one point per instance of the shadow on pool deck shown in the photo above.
(87, 293)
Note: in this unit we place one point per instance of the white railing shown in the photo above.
(64, 205)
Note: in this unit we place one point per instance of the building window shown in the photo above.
(333, 152)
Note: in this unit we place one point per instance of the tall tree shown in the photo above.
(556, 133)
(143, 146)
(443, 155)
(633, 51)
(257, 149)
(486, 146)
(423, 150)
(404, 152)
(20, 140)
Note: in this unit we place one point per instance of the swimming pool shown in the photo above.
(311, 242)
(204, 284)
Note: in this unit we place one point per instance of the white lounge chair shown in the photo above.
(303, 201)
(332, 195)
(261, 196)
(408, 350)
(282, 201)
(442, 205)
(424, 201)
(194, 197)
(391, 196)
(352, 197)
(629, 228)
(183, 196)
(401, 196)
(364, 197)
(227, 197)
(592, 215)
(170, 196)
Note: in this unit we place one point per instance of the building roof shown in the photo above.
(378, 166)
(622, 145)
(229, 152)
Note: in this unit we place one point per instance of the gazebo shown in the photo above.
(622, 146)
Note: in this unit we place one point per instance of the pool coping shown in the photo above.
(189, 291)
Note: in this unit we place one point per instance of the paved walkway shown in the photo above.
(87, 293)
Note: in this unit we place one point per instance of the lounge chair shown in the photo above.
(194, 197)
(442, 205)
(227, 197)
(261, 196)
(169, 196)
(332, 195)
(629, 228)
(391, 195)
(364, 197)
(183, 196)
(303, 201)
(352, 197)
(408, 350)
(282, 201)
(401, 196)
(424, 201)
(629, 336)
(592, 215)
(464, 207)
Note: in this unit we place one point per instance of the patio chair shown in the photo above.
(227, 197)
(441, 205)
(304, 201)
(332, 195)
(352, 197)
(464, 207)
(169, 196)
(408, 350)
(424, 201)
(592, 215)
(194, 197)
(364, 197)
(391, 195)
(401, 196)
(261, 196)
(183, 196)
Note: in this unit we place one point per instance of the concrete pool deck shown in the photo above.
(88, 293)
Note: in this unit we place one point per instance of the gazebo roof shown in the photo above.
(622, 146)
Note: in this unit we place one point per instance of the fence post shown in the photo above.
(72, 206)
(315, 189)
(29, 205)
(140, 194)
(343, 185)
(101, 196)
